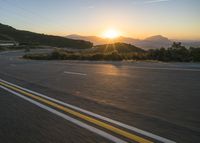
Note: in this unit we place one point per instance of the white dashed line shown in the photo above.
(75, 73)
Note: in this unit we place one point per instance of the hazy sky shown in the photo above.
(178, 19)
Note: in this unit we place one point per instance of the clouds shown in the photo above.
(136, 2)
(156, 1)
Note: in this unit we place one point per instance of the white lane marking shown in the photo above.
(160, 68)
(76, 73)
(68, 118)
(148, 134)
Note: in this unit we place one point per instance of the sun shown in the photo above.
(111, 34)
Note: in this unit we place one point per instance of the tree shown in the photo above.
(195, 54)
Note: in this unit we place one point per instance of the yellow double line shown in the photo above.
(79, 115)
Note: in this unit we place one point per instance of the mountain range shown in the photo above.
(8, 33)
(152, 42)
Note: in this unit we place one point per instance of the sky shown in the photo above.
(175, 19)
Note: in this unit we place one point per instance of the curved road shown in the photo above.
(130, 102)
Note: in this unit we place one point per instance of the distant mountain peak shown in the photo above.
(157, 38)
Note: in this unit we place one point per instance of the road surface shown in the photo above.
(82, 101)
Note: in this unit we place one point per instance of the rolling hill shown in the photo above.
(118, 47)
(31, 38)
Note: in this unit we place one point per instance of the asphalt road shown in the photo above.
(159, 98)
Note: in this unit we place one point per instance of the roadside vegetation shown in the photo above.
(175, 53)
(25, 48)
(122, 51)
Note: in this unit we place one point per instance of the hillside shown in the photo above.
(31, 38)
(119, 47)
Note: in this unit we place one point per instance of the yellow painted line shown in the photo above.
(82, 116)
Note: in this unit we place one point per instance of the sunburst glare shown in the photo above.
(111, 34)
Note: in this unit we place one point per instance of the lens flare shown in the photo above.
(111, 34)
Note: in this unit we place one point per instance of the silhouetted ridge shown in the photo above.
(118, 47)
(31, 38)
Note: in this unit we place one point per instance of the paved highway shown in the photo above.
(73, 101)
